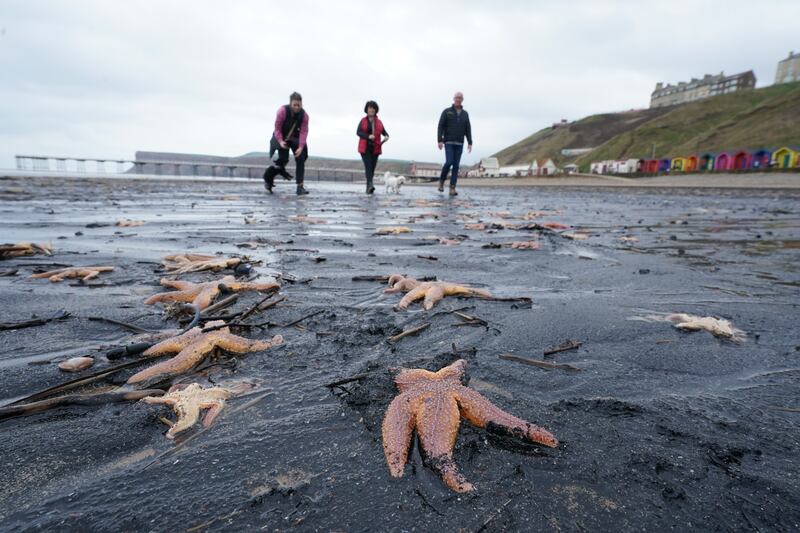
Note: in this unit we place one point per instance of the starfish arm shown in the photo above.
(398, 424)
(177, 296)
(91, 274)
(412, 296)
(433, 295)
(480, 292)
(236, 344)
(187, 359)
(480, 412)
(173, 345)
(177, 284)
(393, 279)
(214, 409)
(47, 274)
(205, 297)
(437, 426)
(188, 412)
(153, 400)
(59, 277)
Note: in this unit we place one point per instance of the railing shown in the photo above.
(94, 166)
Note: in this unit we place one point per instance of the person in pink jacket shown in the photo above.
(290, 133)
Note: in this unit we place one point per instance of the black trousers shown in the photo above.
(299, 162)
(370, 162)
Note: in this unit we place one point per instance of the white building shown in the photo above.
(611, 166)
(543, 167)
(425, 170)
(788, 69)
(490, 167)
(515, 170)
(570, 169)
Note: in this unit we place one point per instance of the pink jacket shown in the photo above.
(281, 116)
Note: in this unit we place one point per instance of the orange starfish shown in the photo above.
(193, 346)
(433, 404)
(187, 403)
(392, 230)
(85, 273)
(202, 294)
(525, 245)
(431, 291)
(25, 248)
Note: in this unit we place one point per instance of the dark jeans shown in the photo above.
(452, 157)
(370, 162)
(299, 162)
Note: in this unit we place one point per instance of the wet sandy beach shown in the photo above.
(659, 428)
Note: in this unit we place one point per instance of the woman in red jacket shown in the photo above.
(371, 135)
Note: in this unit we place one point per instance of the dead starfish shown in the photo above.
(431, 291)
(183, 263)
(202, 294)
(392, 230)
(433, 404)
(193, 346)
(307, 219)
(719, 327)
(21, 249)
(525, 245)
(187, 403)
(128, 223)
(477, 226)
(85, 273)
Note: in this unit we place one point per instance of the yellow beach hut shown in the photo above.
(679, 163)
(785, 157)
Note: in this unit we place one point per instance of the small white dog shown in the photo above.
(393, 183)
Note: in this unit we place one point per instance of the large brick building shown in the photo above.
(697, 89)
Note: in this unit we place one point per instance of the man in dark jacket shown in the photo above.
(453, 127)
(290, 133)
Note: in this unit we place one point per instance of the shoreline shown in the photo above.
(757, 181)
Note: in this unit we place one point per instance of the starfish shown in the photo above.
(432, 291)
(183, 263)
(307, 219)
(525, 245)
(393, 230)
(128, 223)
(21, 249)
(193, 346)
(85, 273)
(718, 327)
(433, 404)
(202, 294)
(188, 402)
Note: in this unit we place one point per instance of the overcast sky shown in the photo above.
(104, 79)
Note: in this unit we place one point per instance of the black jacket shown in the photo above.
(453, 127)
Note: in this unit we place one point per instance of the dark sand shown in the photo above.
(660, 429)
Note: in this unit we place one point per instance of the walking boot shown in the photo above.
(370, 188)
(441, 185)
(453, 191)
(301, 190)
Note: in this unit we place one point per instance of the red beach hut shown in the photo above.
(691, 164)
(741, 161)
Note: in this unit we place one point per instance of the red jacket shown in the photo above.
(363, 134)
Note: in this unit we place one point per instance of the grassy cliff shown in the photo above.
(768, 117)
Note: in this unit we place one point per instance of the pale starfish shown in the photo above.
(393, 230)
(85, 273)
(307, 219)
(183, 263)
(21, 249)
(202, 294)
(187, 403)
(431, 291)
(525, 245)
(476, 225)
(193, 346)
(128, 223)
(433, 404)
(719, 327)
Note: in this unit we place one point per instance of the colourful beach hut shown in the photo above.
(784, 157)
(678, 164)
(707, 161)
(664, 164)
(691, 164)
(723, 161)
(651, 165)
(741, 160)
(761, 159)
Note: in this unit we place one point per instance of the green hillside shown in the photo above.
(768, 117)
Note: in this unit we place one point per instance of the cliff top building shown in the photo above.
(788, 69)
(697, 89)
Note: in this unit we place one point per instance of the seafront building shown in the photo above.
(788, 69)
(697, 89)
